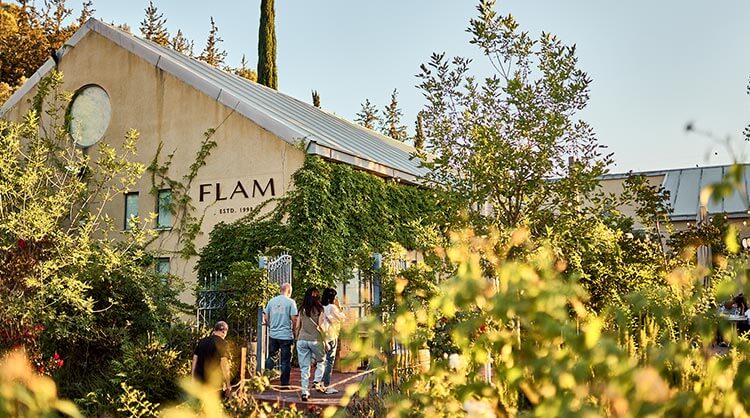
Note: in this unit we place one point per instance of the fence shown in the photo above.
(211, 300)
(211, 306)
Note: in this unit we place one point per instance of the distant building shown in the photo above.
(122, 82)
(684, 186)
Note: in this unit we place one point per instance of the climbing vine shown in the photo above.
(188, 225)
(332, 221)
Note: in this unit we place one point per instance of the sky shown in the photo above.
(656, 65)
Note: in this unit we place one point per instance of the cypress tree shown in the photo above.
(419, 136)
(316, 98)
(368, 115)
(267, 46)
(153, 26)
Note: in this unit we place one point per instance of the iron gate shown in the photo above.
(278, 270)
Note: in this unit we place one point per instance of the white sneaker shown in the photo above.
(330, 391)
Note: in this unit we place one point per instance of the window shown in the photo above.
(89, 114)
(164, 209)
(162, 266)
(131, 210)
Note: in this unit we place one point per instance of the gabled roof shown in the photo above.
(290, 119)
(685, 184)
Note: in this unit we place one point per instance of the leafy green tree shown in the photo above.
(267, 71)
(55, 15)
(501, 140)
(29, 36)
(391, 123)
(23, 41)
(153, 26)
(524, 344)
(368, 115)
(419, 133)
(212, 54)
(73, 290)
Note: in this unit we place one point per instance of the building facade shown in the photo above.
(121, 82)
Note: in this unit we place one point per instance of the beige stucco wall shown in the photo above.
(163, 108)
(615, 186)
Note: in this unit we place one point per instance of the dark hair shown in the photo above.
(328, 295)
(311, 304)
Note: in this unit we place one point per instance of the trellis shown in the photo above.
(211, 301)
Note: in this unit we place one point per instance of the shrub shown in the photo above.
(151, 367)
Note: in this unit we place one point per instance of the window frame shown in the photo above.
(158, 261)
(159, 225)
(126, 220)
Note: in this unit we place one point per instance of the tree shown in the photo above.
(315, 98)
(153, 26)
(181, 44)
(419, 135)
(391, 123)
(23, 41)
(267, 72)
(502, 140)
(211, 54)
(243, 71)
(29, 36)
(69, 289)
(368, 115)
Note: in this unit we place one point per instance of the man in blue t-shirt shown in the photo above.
(281, 316)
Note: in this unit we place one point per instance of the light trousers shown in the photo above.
(307, 352)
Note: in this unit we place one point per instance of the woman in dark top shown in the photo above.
(309, 340)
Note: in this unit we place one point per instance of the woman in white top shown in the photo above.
(332, 318)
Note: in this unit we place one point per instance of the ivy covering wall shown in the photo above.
(332, 220)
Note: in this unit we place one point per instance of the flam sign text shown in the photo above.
(218, 192)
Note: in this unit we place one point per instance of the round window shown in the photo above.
(89, 113)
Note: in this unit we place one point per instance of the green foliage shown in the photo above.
(368, 115)
(28, 33)
(243, 240)
(267, 71)
(332, 221)
(26, 394)
(243, 70)
(74, 290)
(134, 403)
(711, 233)
(391, 124)
(181, 44)
(419, 138)
(418, 281)
(550, 355)
(149, 365)
(188, 225)
(249, 289)
(499, 141)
